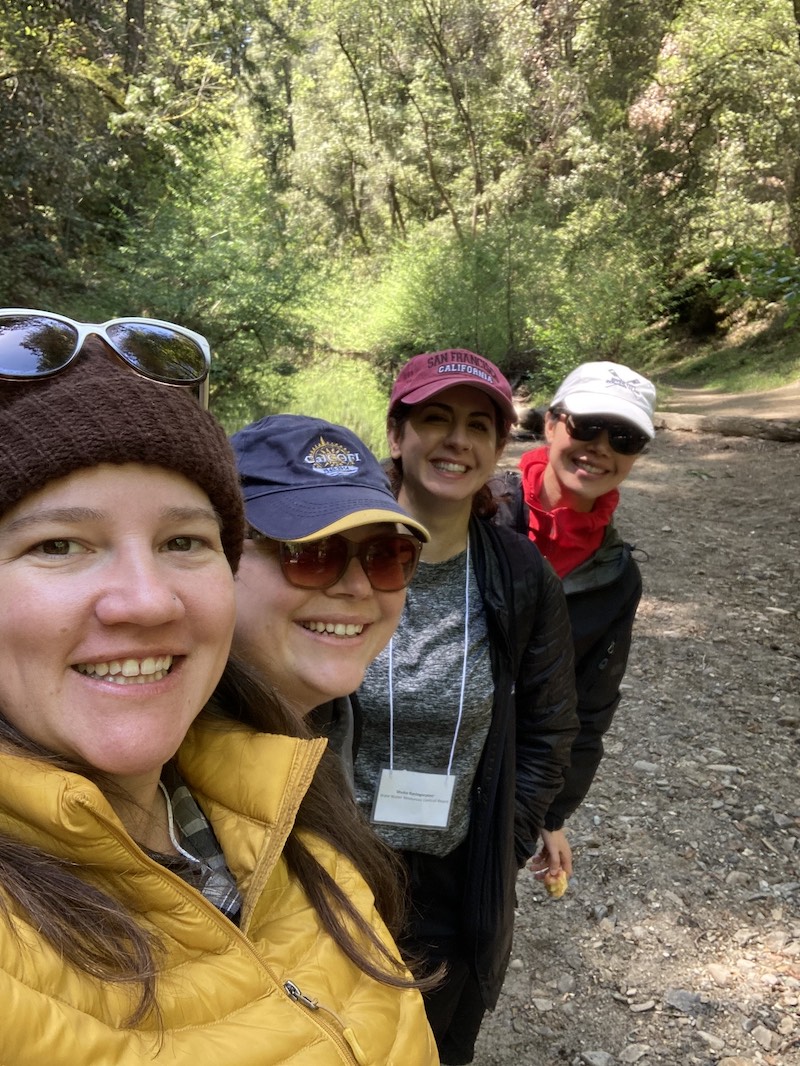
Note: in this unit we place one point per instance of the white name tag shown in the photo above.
(410, 797)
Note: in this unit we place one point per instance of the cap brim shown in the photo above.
(368, 518)
(425, 392)
(589, 403)
(299, 515)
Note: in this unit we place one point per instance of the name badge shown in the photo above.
(411, 797)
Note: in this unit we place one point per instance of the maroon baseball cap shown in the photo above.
(432, 372)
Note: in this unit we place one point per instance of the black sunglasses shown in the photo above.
(623, 438)
(388, 559)
(38, 344)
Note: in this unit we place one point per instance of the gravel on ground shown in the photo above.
(678, 941)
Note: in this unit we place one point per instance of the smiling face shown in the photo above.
(311, 644)
(578, 472)
(116, 614)
(448, 447)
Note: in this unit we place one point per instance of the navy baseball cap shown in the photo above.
(304, 478)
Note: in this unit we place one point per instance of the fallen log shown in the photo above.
(730, 425)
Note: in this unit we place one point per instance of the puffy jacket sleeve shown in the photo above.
(545, 699)
(602, 624)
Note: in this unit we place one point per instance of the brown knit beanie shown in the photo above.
(100, 411)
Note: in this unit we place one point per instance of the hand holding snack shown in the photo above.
(552, 864)
(556, 884)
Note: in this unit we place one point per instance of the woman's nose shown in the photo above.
(601, 443)
(353, 582)
(457, 436)
(138, 590)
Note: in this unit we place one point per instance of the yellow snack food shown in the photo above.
(556, 885)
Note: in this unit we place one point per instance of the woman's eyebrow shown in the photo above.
(66, 515)
(450, 408)
(190, 514)
(74, 515)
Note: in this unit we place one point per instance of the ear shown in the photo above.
(550, 424)
(394, 435)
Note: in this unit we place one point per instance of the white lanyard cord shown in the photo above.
(463, 680)
(391, 705)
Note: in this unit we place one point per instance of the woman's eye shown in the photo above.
(57, 546)
(185, 544)
(482, 427)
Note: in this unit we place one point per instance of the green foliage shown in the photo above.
(765, 275)
(219, 257)
(56, 89)
(436, 291)
(343, 390)
(752, 356)
(605, 297)
(534, 301)
(525, 180)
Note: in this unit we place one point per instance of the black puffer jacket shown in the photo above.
(602, 598)
(532, 729)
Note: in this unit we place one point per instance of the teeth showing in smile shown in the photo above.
(582, 465)
(336, 629)
(450, 468)
(129, 671)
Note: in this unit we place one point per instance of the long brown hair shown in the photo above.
(99, 933)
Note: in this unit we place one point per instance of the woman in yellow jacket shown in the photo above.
(183, 876)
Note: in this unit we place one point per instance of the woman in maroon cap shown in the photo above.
(468, 715)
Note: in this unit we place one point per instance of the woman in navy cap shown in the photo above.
(468, 715)
(328, 555)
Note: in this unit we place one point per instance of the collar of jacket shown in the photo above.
(602, 568)
(494, 576)
(256, 780)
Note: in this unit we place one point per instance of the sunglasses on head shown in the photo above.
(622, 437)
(388, 559)
(37, 344)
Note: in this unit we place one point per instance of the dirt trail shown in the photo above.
(679, 940)
(779, 404)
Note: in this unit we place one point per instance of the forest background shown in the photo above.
(326, 187)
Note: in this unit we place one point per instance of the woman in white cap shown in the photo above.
(469, 714)
(599, 422)
(328, 555)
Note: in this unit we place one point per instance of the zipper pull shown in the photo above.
(291, 989)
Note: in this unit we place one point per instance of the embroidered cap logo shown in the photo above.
(616, 382)
(332, 459)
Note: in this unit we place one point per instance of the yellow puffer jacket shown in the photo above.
(223, 991)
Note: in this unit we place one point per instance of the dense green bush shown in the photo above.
(535, 301)
(345, 391)
(764, 275)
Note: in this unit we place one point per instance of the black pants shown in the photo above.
(436, 935)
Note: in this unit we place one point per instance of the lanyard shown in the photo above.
(463, 679)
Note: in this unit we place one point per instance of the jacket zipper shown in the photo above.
(344, 1036)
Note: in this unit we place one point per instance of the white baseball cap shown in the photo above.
(609, 389)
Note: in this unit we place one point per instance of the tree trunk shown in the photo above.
(134, 37)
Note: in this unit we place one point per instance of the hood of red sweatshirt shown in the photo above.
(565, 537)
